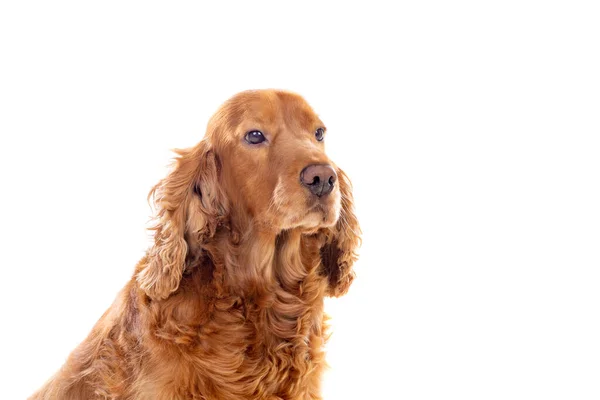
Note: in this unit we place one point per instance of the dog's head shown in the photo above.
(262, 163)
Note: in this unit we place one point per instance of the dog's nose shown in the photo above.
(319, 179)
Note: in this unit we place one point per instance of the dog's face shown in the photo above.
(272, 153)
(261, 168)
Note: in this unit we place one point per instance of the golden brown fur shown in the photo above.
(228, 302)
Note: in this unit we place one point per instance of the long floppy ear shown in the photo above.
(338, 254)
(189, 207)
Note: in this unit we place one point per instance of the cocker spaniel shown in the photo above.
(254, 227)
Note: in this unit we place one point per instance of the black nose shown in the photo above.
(319, 179)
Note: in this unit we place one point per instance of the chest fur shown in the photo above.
(236, 348)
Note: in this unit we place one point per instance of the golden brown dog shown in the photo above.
(254, 227)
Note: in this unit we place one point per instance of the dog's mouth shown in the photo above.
(315, 213)
(319, 208)
(323, 214)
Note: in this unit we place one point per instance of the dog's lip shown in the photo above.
(324, 212)
(317, 206)
(320, 208)
(321, 204)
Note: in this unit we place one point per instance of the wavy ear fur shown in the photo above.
(338, 254)
(189, 206)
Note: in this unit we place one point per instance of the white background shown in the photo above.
(470, 131)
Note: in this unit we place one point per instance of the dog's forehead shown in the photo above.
(272, 107)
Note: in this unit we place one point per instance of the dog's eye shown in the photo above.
(319, 133)
(255, 137)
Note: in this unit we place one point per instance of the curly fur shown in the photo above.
(228, 302)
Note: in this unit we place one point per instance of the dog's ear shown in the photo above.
(190, 205)
(338, 254)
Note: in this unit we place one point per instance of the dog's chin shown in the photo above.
(317, 217)
(312, 216)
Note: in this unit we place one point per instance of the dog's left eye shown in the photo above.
(319, 134)
(255, 137)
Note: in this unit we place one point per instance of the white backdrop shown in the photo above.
(470, 131)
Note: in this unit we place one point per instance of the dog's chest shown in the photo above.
(259, 352)
(286, 353)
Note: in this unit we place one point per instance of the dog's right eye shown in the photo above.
(255, 137)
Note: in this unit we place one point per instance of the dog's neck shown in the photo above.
(260, 262)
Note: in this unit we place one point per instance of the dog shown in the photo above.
(254, 227)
